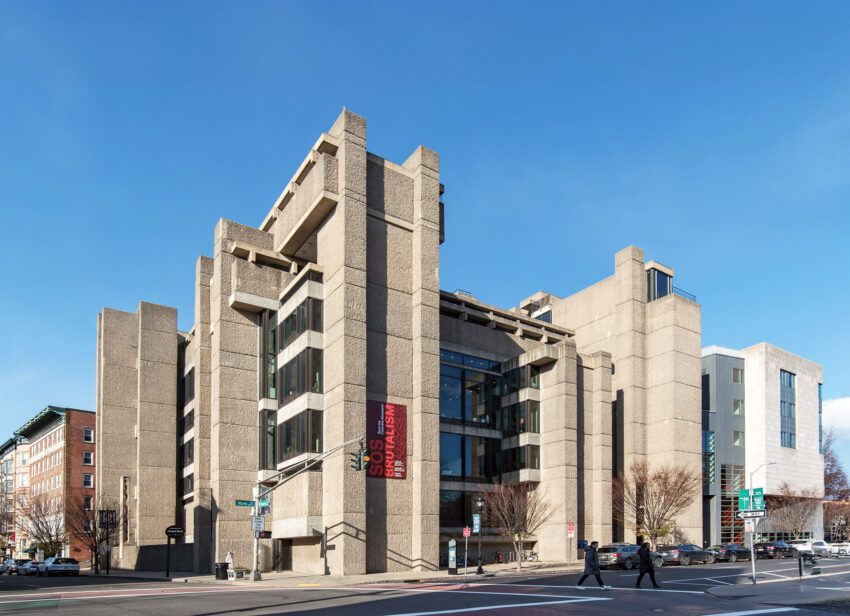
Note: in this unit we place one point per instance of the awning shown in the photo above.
(30, 550)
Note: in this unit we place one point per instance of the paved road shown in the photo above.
(684, 593)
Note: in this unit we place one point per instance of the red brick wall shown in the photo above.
(75, 422)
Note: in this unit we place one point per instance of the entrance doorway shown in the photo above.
(282, 555)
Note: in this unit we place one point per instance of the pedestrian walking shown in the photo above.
(591, 567)
(646, 566)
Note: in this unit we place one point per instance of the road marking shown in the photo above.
(497, 607)
(776, 610)
(720, 582)
(568, 587)
(304, 585)
(776, 575)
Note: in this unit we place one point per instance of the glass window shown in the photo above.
(820, 417)
(738, 407)
(88, 458)
(738, 375)
(451, 455)
(88, 437)
(450, 388)
(188, 455)
(188, 483)
(306, 316)
(658, 284)
(452, 508)
(87, 503)
(708, 457)
(301, 374)
(316, 371)
(787, 410)
(738, 438)
(300, 434)
(268, 388)
(88, 480)
(534, 377)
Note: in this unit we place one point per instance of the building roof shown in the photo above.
(45, 418)
(719, 350)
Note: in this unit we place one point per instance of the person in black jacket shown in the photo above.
(646, 566)
(591, 567)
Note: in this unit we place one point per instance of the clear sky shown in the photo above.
(716, 136)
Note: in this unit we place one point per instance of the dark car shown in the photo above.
(623, 555)
(774, 549)
(730, 552)
(685, 554)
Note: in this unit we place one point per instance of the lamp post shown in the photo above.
(480, 502)
(755, 522)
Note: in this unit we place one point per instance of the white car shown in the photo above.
(29, 568)
(809, 546)
(57, 565)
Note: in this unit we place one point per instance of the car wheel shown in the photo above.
(733, 558)
(628, 565)
(685, 560)
(659, 562)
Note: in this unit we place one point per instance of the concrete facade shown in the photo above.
(332, 307)
(745, 415)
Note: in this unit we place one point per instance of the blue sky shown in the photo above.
(714, 135)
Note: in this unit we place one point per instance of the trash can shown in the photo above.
(221, 571)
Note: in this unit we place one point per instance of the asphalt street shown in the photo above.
(686, 590)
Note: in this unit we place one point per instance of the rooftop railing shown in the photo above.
(685, 294)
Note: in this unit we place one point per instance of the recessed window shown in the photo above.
(787, 409)
(738, 438)
(88, 458)
(88, 503)
(738, 407)
(88, 480)
(738, 375)
(88, 435)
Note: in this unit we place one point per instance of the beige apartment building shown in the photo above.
(327, 324)
(14, 491)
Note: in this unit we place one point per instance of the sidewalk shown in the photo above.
(294, 579)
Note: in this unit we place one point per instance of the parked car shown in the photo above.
(30, 567)
(839, 548)
(12, 564)
(774, 549)
(623, 555)
(730, 552)
(56, 565)
(807, 546)
(685, 554)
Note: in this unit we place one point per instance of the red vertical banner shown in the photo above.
(386, 436)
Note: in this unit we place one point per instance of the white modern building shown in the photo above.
(762, 427)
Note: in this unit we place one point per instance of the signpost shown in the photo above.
(258, 523)
(743, 500)
(172, 532)
(107, 518)
(452, 557)
(758, 498)
(466, 533)
(571, 533)
(245, 503)
(751, 515)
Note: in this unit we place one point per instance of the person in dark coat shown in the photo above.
(646, 566)
(591, 567)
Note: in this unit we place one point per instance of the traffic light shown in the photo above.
(366, 458)
(263, 534)
(357, 460)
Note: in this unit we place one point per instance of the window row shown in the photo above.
(519, 418)
(474, 458)
(307, 316)
(297, 435)
(468, 395)
(300, 375)
(187, 452)
(186, 389)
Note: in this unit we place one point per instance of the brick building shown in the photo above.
(62, 463)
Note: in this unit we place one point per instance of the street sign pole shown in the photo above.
(465, 552)
(753, 536)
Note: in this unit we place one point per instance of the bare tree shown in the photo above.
(43, 520)
(654, 498)
(836, 520)
(83, 524)
(835, 484)
(518, 510)
(791, 511)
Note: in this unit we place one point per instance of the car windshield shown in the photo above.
(20, 561)
(65, 561)
(717, 547)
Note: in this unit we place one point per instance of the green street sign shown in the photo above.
(743, 500)
(758, 498)
(264, 502)
(245, 503)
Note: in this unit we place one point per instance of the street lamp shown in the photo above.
(480, 502)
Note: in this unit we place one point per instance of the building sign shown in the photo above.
(386, 435)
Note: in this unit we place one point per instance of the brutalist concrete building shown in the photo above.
(326, 323)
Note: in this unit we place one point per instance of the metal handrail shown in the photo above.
(685, 294)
